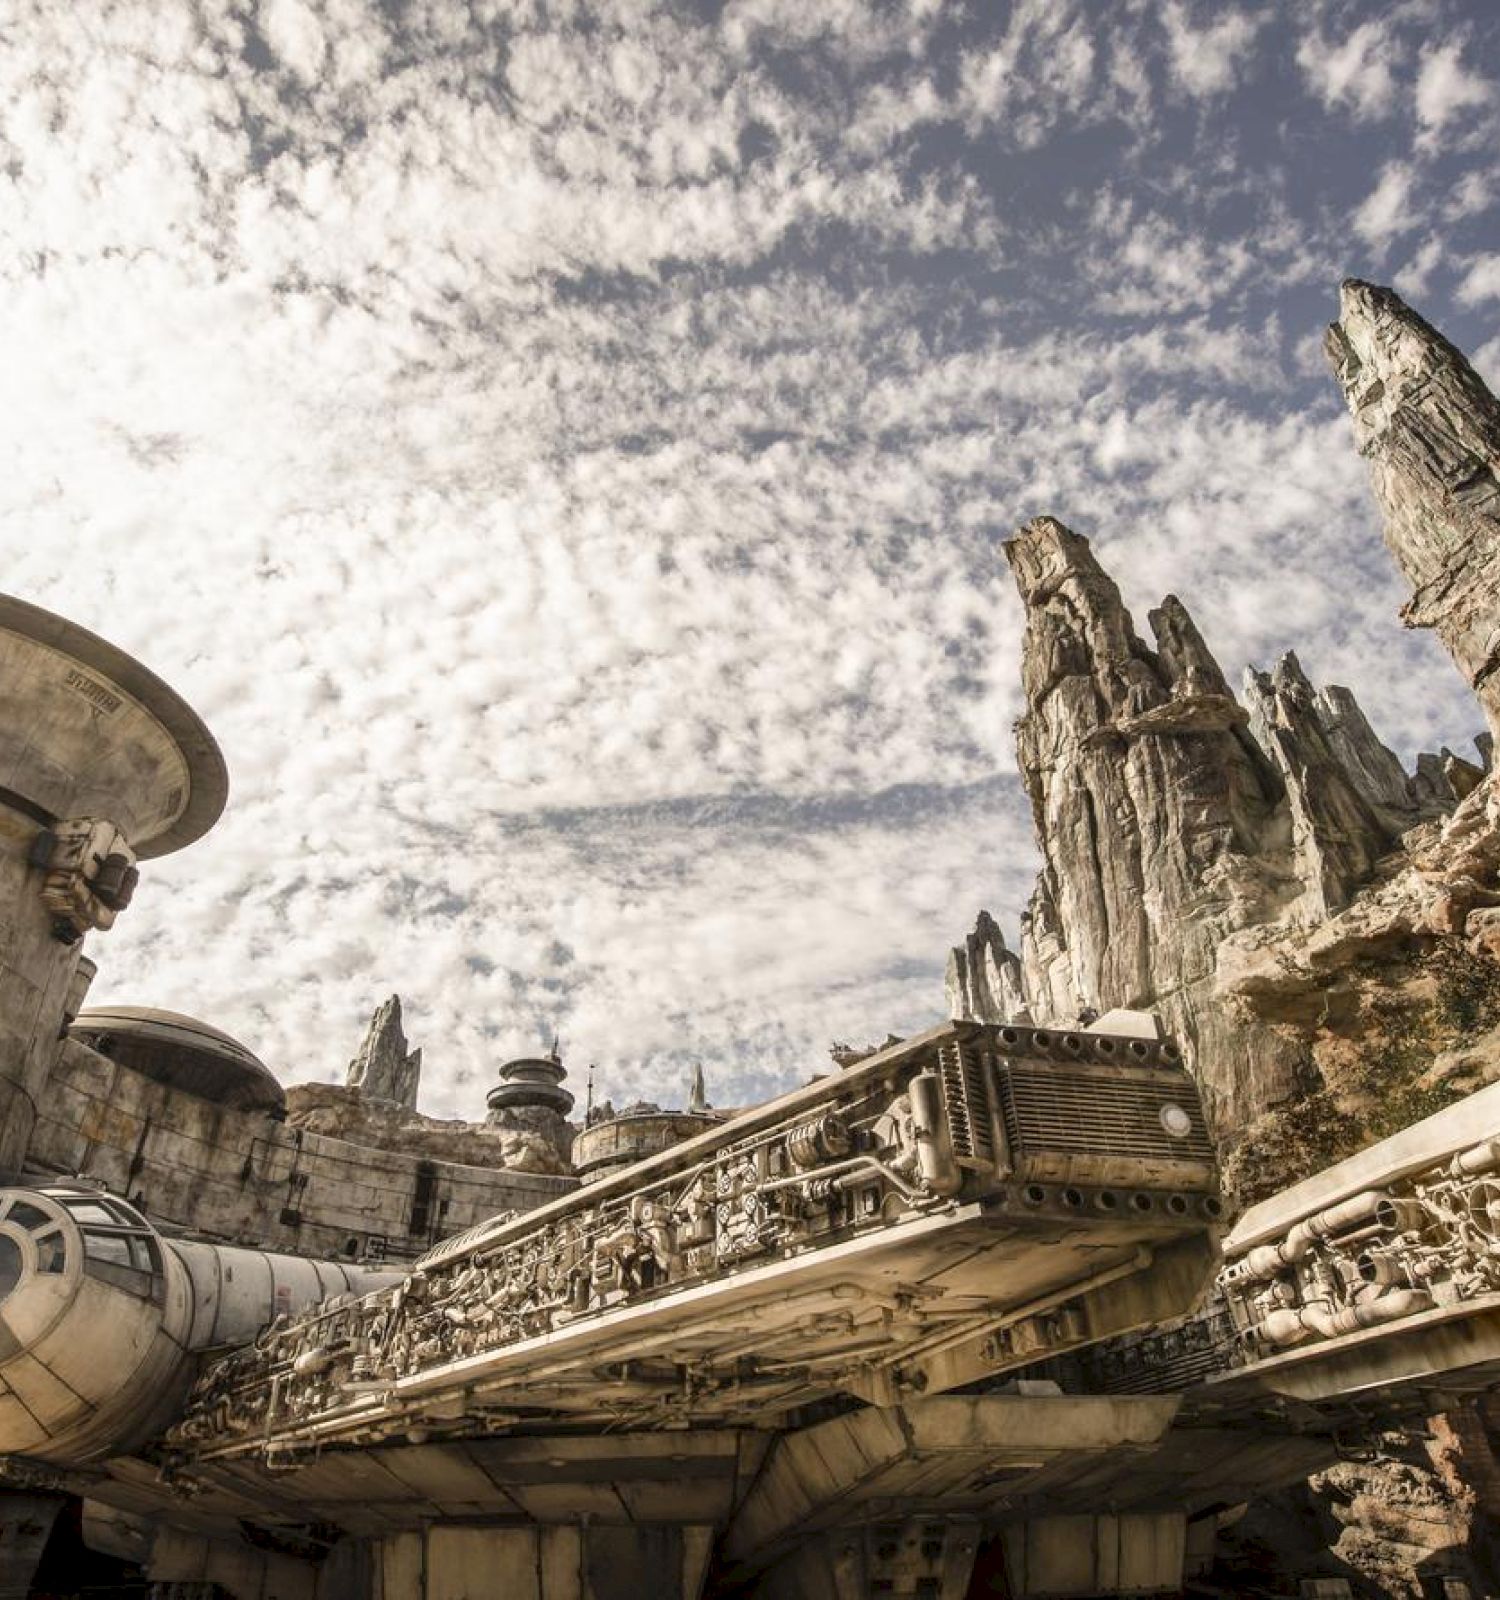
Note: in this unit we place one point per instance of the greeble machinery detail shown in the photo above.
(945, 1209)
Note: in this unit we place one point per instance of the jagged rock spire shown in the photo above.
(1170, 817)
(383, 1068)
(1374, 769)
(1430, 429)
(1337, 833)
(983, 981)
(1151, 804)
(1141, 780)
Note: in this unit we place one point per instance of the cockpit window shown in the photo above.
(51, 1253)
(129, 1260)
(10, 1264)
(94, 1211)
(110, 1247)
(27, 1215)
(119, 1245)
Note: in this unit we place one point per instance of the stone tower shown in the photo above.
(530, 1099)
(101, 764)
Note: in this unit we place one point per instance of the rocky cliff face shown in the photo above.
(384, 1069)
(1430, 430)
(1320, 928)
(1261, 870)
(1171, 816)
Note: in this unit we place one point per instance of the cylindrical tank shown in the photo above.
(100, 763)
(101, 1318)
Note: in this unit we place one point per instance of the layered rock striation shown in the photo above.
(1430, 429)
(1319, 927)
(984, 982)
(1171, 816)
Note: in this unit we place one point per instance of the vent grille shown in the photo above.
(1053, 1110)
(965, 1076)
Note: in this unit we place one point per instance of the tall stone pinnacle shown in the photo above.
(984, 978)
(1337, 832)
(1152, 806)
(1171, 818)
(384, 1069)
(1430, 430)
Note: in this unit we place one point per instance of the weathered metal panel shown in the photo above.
(403, 1567)
(482, 1564)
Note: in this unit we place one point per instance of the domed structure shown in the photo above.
(183, 1052)
(532, 1082)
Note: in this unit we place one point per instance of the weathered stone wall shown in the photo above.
(245, 1177)
(345, 1113)
(607, 1144)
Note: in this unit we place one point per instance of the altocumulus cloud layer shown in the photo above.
(562, 451)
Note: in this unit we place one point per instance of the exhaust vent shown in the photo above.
(1104, 1124)
(966, 1073)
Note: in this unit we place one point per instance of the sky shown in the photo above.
(563, 450)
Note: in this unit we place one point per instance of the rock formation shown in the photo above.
(341, 1112)
(384, 1069)
(1317, 926)
(1153, 809)
(1321, 929)
(1339, 829)
(1197, 851)
(983, 983)
(1430, 430)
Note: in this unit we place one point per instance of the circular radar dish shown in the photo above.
(89, 731)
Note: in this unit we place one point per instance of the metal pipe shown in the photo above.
(1478, 1158)
(1289, 1325)
(1269, 1260)
(859, 1163)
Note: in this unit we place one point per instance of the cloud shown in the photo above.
(1447, 89)
(1415, 277)
(1207, 60)
(1482, 280)
(1355, 74)
(295, 36)
(563, 454)
(1388, 210)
